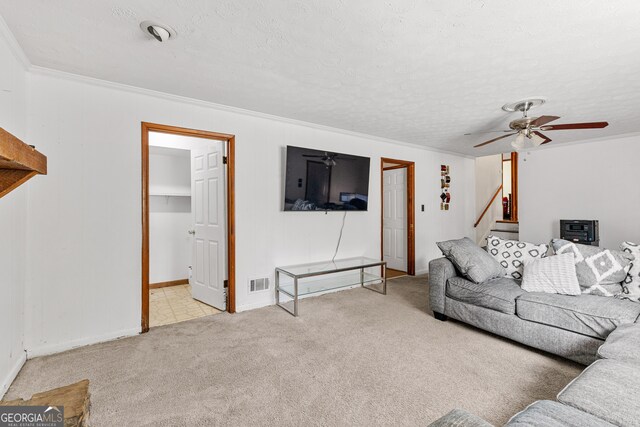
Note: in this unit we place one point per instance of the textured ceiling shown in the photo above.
(418, 71)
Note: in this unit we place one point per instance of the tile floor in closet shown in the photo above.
(174, 304)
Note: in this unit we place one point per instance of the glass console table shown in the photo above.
(306, 279)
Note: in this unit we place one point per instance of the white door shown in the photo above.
(208, 203)
(394, 218)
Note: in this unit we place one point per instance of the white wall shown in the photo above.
(596, 180)
(506, 178)
(84, 283)
(488, 170)
(169, 217)
(13, 219)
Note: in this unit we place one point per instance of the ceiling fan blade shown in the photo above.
(591, 125)
(488, 131)
(543, 139)
(494, 139)
(543, 120)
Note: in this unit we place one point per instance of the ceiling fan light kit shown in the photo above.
(527, 129)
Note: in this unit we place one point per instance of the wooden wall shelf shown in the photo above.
(19, 162)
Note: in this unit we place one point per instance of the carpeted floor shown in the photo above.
(352, 358)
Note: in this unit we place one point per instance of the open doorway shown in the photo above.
(397, 216)
(509, 187)
(188, 238)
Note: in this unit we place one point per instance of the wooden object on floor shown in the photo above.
(74, 398)
(167, 284)
(19, 162)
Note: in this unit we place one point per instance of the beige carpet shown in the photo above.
(353, 358)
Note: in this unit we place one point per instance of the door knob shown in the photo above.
(192, 232)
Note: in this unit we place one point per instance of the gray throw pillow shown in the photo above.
(471, 260)
(600, 271)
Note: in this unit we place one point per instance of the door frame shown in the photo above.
(411, 230)
(513, 165)
(231, 234)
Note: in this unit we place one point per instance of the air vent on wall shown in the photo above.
(261, 284)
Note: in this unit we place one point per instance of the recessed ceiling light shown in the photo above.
(158, 31)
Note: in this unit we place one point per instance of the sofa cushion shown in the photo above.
(623, 344)
(600, 271)
(471, 260)
(589, 315)
(547, 413)
(607, 389)
(498, 294)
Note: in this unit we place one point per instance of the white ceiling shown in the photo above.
(417, 71)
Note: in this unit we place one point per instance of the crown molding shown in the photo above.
(241, 111)
(226, 108)
(14, 46)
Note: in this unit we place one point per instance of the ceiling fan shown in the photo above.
(527, 129)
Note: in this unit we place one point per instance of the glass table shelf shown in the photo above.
(305, 279)
(329, 283)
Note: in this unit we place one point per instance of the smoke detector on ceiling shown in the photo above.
(158, 31)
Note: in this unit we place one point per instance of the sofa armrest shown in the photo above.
(460, 418)
(440, 270)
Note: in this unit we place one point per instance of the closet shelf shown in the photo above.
(19, 162)
(169, 191)
(151, 193)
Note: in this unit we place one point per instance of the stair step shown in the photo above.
(505, 231)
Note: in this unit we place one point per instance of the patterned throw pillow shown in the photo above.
(600, 271)
(512, 254)
(631, 284)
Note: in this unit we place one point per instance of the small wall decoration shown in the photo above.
(445, 184)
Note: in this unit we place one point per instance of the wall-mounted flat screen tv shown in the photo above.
(317, 180)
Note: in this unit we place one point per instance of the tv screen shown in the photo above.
(317, 180)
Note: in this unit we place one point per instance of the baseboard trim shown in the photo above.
(167, 284)
(46, 350)
(13, 373)
(254, 305)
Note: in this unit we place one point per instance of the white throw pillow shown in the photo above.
(512, 254)
(631, 284)
(555, 275)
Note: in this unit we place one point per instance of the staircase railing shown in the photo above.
(488, 206)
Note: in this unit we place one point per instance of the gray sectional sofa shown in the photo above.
(592, 330)
(606, 393)
(573, 327)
